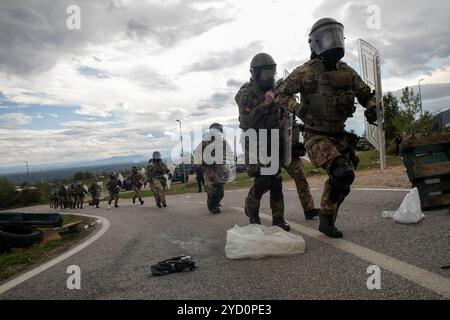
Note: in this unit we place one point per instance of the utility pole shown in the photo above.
(28, 172)
(182, 153)
(420, 97)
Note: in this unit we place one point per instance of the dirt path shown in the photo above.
(392, 177)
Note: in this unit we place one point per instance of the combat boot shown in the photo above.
(142, 202)
(116, 206)
(280, 222)
(327, 227)
(158, 204)
(216, 211)
(134, 200)
(254, 219)
(311, 214)
(165, 205)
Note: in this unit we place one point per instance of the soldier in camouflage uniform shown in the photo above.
(214, 187)
(53, 198)
(257, 111)
(63, 197)
(96, 192)
(328, 88)
(137, 182)
(80, 195)
(155, 172)
(72, 196)
(114, 186)
(296, 169)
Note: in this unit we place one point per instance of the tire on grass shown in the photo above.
(19, 236)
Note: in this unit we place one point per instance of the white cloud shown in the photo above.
(15, 118)
(140, 65)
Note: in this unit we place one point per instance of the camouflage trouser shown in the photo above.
(113, 196)
(72, 201)
(158, 191)
(296, 170)
(214, 188)
(261, 185)
(79, 201)
(322, 151)
(95, 198)
(137, 193)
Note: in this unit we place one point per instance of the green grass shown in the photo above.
(368, 160)
(21, 259)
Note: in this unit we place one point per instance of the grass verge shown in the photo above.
(21, 259)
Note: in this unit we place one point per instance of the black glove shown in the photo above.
(371, 115)
(298, 149)
(253, 171)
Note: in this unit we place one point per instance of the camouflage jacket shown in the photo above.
(227, 153)
(252, 113)
(137, 179)
(113, 185)
(95, 189)
(327, 97)
(156, 170)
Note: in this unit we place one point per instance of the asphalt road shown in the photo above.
(117, 265)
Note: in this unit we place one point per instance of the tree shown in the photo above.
(391, 112)
(83, 175)
(424, 121)
(410, 102)
(404, 121)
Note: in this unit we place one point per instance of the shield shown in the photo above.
(226, 172)
(171, 166)
(369, 60)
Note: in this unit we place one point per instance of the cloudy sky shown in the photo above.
(116, 86)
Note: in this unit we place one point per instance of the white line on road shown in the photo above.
(24, 277)
(426, 279)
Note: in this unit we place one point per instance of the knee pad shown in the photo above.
(342, 177)
(342, 174)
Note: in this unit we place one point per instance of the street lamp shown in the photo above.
(420, 97)
(182, 153)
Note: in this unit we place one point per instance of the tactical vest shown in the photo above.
(328, 97)
(257, 98)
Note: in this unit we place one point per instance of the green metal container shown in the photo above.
(427, 161)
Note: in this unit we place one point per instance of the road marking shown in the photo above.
(381, 189)
(424, 278)
(24, 277)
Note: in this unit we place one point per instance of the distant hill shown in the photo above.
(79, 164)
(61, 171)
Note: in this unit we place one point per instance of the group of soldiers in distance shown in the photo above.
(74, 195)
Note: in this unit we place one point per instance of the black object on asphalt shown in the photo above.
(176, 264)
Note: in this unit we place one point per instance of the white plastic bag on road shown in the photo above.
(409, 211)
(258, 241)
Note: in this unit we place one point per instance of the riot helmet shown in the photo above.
(156, 156)
(263, 69)
(326, 40)
(216, 126)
